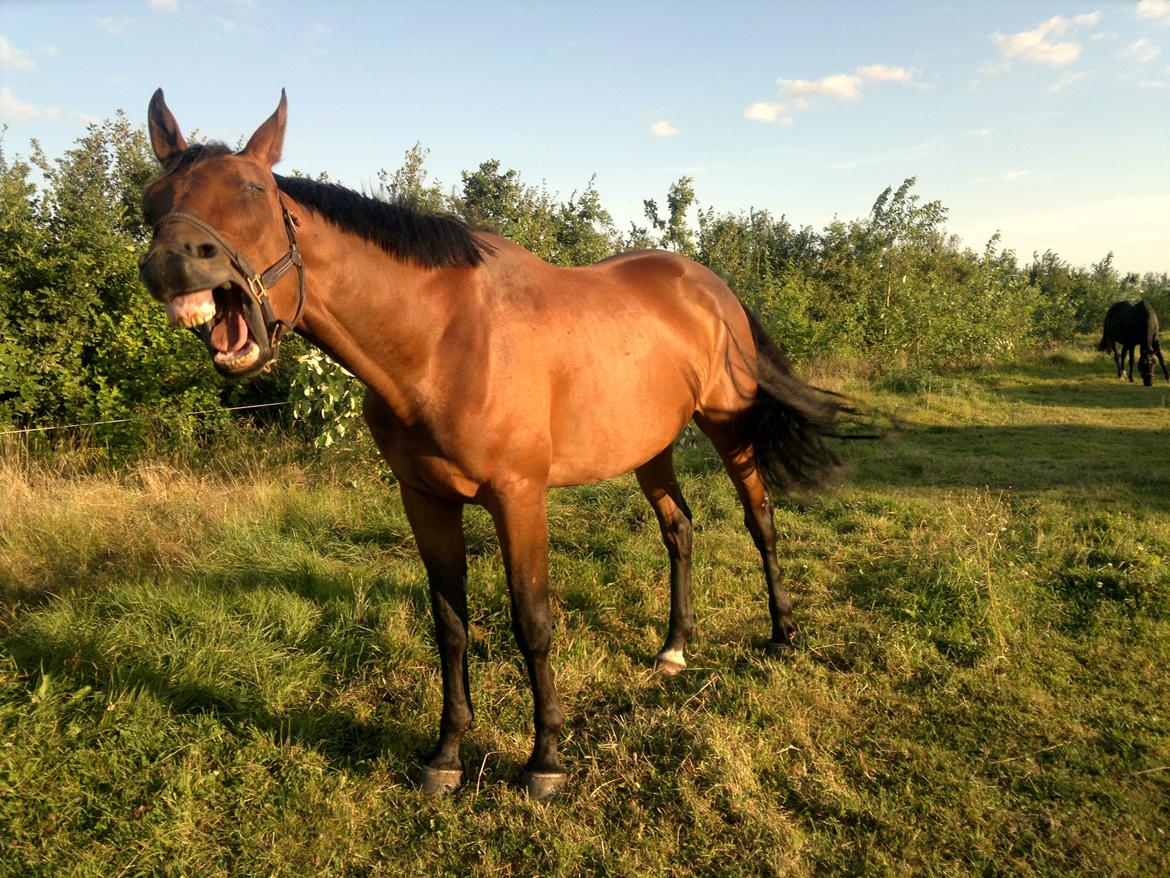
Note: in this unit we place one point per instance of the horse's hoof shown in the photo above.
(777, 647)
(670, 664)
(440, 781)
(544, 785)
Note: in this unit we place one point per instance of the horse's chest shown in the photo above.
(417, 456)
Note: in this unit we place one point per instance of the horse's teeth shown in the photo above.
(203, 313)
(241, 359)
(191, 309)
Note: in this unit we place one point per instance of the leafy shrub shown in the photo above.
(81, 341)
(326, 399)
(79, 338)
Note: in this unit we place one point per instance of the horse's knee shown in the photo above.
(533, 631)
(678, 534)
(757, 518)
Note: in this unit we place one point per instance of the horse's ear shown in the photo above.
(165, 136)
(268, 141)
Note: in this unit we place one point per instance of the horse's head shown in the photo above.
(1146, 367)
(216, 214)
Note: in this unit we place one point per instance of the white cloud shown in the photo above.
(164, 5)
(12, 58)
(1142, 50)
(662, 128)
(1153, 9)
(227, 25)
(1037, 45)
(800, 94)
(13, 109)
(1069, 78)
(981, 132)
(319, 31)
(115, 27)
(842, 86)
(768, 111)
(885, 73)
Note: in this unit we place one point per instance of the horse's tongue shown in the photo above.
(231, 333)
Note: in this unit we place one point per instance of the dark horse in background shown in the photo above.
(1130, 325)
(491, 377)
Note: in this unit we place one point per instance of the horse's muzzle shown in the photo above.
(167, 273)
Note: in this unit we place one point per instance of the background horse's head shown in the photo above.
(216, 214)
(1146, 367)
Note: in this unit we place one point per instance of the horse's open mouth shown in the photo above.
(221, 318)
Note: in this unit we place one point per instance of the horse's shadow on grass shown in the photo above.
(1100, 389)
(350, 739)
(393, 736)
(1118, 463)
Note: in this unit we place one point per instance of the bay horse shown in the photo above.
(491, 376)
(1129, 325)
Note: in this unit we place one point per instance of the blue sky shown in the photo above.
(1047, 121)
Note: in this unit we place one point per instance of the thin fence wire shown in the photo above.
(238, 408)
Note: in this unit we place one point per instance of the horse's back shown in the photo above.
(1131, 322)
(621, 354)
(1119, 321)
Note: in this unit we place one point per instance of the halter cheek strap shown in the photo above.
(258, 283)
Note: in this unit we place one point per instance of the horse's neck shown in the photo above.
(365, 309)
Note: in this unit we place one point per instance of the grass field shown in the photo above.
(228, 670)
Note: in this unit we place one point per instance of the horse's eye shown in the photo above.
(253, 187)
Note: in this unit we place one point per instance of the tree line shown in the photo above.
(80, 341)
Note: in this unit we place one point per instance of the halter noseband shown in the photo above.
(256, 284)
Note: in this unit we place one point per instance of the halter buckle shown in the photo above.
(256, 287)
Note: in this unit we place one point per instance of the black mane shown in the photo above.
(430, 240)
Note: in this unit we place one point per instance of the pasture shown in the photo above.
(227, 668)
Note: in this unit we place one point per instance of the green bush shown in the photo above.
(80, 340)
(326, 399)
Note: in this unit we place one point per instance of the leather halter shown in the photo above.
(256, 284)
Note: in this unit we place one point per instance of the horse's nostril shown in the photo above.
(200, 249)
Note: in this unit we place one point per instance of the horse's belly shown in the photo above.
(617, 431)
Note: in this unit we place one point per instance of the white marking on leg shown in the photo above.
(674, 656)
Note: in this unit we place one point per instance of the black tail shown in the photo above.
(789, 421)
(1103, 344)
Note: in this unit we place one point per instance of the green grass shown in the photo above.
(212, 670)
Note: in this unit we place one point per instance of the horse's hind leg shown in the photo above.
(740, 462)
(1157, 348)
(660, 486)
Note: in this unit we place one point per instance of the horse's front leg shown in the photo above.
(522, 525)
(1130, 350)
(438, 530)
